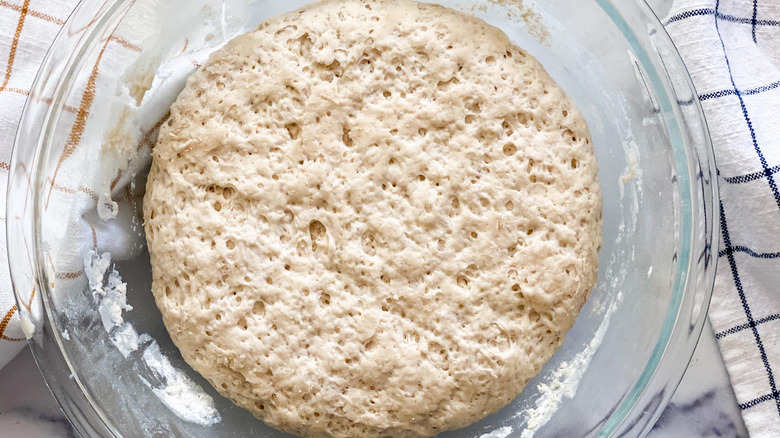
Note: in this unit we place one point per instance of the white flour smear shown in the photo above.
(563, 382)
(178, 392)
(501, 432)
(183, 396)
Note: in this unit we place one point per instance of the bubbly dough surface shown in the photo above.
(372, 218)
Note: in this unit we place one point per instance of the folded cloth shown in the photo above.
(732, 51)
(95, 210)
(27, 29)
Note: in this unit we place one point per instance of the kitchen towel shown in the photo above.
(110, 90)
(27, 28)
(732, 49)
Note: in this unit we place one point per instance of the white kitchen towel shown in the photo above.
(27, 29)
(732, 51)
(107, 117)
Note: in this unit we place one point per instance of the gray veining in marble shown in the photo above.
(27, 408)
(704, 404)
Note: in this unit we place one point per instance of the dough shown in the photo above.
(372, 218)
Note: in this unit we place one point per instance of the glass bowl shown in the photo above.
(82, 151)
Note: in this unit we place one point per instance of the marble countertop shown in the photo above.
(703, 406)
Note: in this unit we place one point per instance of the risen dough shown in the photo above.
(372, 218)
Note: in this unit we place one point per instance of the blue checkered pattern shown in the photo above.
(732, 50)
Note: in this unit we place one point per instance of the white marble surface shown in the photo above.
(703, 406)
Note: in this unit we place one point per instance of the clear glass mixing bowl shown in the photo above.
(89, 113)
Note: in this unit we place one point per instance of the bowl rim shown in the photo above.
(38, 114)
(685, 316)
(680, 329)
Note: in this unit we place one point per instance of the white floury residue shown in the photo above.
(107, 208)
(127, 340)
(95, 267)
(564, 381)
(177, 391)
(28, 327)
(501, 432)
(183, 396)
(113, 302)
